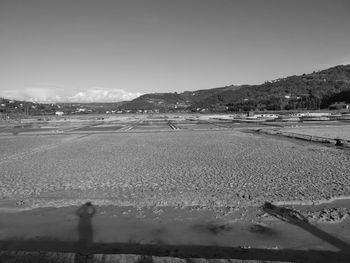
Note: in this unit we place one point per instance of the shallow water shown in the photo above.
(173, 227)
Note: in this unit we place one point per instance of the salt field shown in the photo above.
(210, 168)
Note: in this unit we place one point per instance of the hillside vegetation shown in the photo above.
(307, 91)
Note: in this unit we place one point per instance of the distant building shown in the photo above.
(339, 106)
(251, 114)
(59, 113)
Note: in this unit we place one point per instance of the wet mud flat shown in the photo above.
(204, 168)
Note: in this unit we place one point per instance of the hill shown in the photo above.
(308, 91)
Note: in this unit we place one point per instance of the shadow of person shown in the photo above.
(85, 231)
(293, 217)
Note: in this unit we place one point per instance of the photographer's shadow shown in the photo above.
(85, 230)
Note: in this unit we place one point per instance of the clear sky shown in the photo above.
(111, 50)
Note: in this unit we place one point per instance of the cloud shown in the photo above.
(103, 95)
(56, 94)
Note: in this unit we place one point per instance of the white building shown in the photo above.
(59, 113)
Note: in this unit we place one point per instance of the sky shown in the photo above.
(111, 50)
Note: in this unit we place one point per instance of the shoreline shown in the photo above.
(37, 203)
